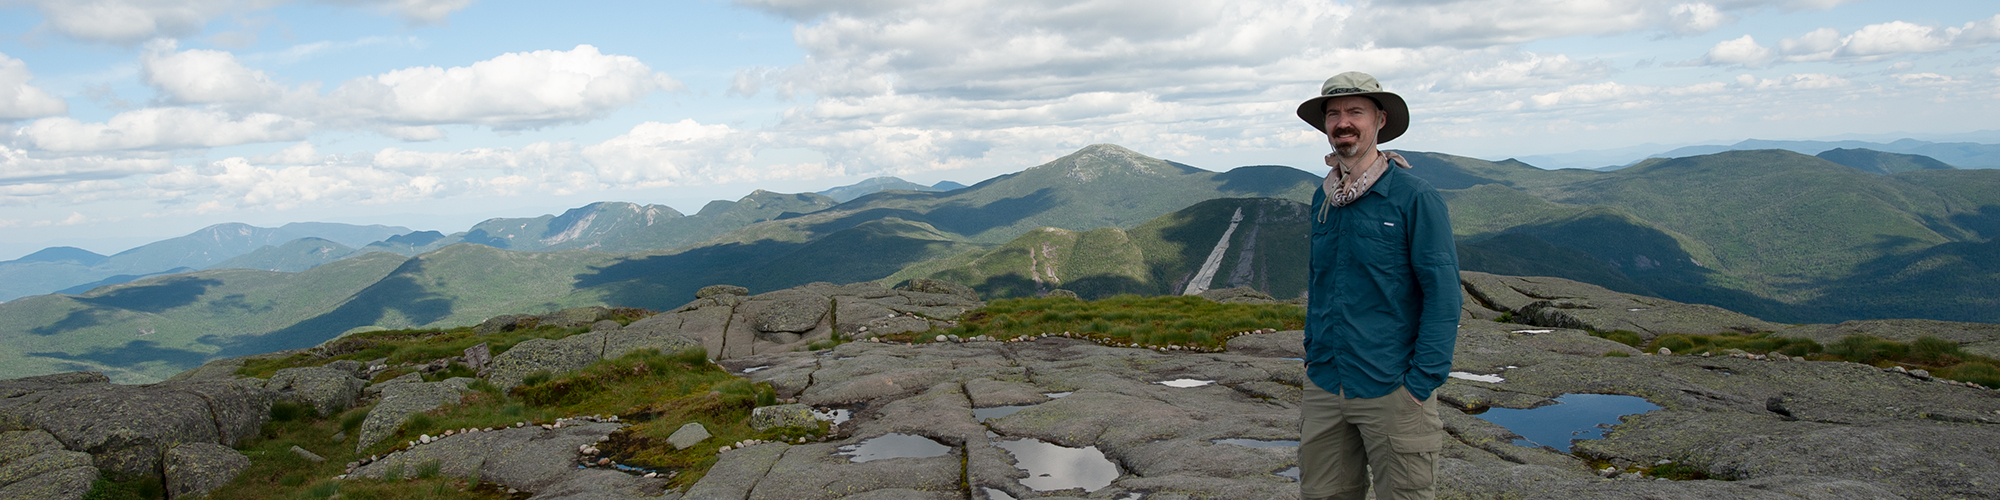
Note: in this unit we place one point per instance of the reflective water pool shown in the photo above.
(1185, 383)
(1573, 417)
(893, 445)
(1056, 467)
(984, 414)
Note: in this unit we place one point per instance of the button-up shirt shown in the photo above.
(1383, 294)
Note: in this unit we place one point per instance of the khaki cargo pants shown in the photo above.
(1342, 440)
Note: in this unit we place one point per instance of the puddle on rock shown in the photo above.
(1573, 417)
(995, 494)
(1058, 395)
(1185, 383)
(1053, 467)
(893, 445)
(984, 414)
(754, 369)
(1292, 473)
(1255, 443)
(1491, 379)
(837, 415)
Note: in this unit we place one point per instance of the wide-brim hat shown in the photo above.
(1355, 83)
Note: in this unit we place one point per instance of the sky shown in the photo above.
(130, 121)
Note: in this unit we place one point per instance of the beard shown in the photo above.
(1349, 150)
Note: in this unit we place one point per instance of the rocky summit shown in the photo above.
(1058, 415)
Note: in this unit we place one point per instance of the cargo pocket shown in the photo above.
(1416, 461)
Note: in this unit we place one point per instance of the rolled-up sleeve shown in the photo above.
(1434, 262)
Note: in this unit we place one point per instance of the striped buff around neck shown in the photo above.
(1341, 191)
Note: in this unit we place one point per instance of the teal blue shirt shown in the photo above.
(1382, 291)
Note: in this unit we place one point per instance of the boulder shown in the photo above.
(1285, 344)
(399, 401)
(787, 415)
(714, 290)
(793, 311)
(927, 285)
(531, 459)
(553, 356)
(25, 455)
(193, 470)
(576, 316)
(327, 390)
(478, 356)
(126, 429)
(690, 434)
(606, 326)
(505, 323)
(64, 484)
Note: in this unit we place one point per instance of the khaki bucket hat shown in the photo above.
(1356, 83)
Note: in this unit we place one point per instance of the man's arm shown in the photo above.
(1434, 259)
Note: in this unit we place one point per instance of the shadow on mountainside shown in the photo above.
(661, 282)
(1958, 281)
(399, 292)
(1264, 181)
(167, 294)
(1986, 222)
(964, 218)
(132, 354)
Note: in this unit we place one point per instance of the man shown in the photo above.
(1382, 306)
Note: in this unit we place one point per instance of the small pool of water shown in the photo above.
(1185, 383)
(1292, 473)
(1054, 467)
(984, 414)
(1573, 417)
(1255, 443)
(1491, 379)
(1058, 395)
(893, 445)
(837, 416)
(754, 369)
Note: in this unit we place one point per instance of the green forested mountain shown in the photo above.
(1780, 235)
(56, 269)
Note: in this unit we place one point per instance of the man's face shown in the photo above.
(1351, 124)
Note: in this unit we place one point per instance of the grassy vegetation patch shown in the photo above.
(1126, 320)
(1942, 358)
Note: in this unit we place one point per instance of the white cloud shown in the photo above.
(1895, 37)
(237, 183)
(1696, 18)
(518, 90)
(160, 128)
(297, 154)
(203, 76)
(1876, 42)
(669, 154)
(1741, 51)
(18, 99)
(132, 21)
(19, 167)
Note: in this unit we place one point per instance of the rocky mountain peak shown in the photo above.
(1099, 160)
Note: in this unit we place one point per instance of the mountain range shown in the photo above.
(1964, 155)
(1777, 234)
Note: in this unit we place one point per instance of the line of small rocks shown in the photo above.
(1098, 338)
(424, 439)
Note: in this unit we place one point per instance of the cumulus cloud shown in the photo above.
(1873, 42)
(132, 21)
(517, 90)
(1696, 18)
(203, 76)
(1741, 51)
(160, 128)
(668, 154)
(18, 99)
(19, 167)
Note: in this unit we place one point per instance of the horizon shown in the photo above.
(429, 114)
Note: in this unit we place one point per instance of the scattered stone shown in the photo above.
(399, 401)
(307, 454)
(688, 435)
(787, 415)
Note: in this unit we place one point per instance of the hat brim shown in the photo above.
(1313, 111)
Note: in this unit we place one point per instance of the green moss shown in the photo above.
(1169, 320)
(1678, 472)
(1626, 337)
